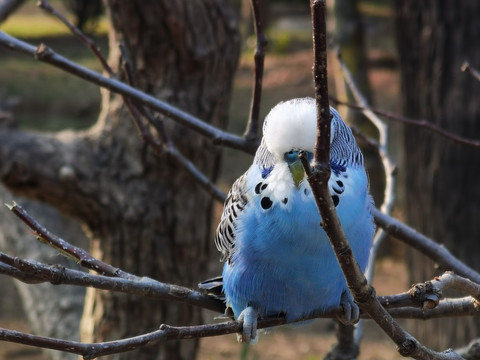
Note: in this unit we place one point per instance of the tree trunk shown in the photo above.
(442, 193)
(143, 213)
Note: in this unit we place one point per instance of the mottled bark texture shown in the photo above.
(441, 184)
(142, 213)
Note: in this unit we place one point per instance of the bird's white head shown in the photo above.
(292, 125)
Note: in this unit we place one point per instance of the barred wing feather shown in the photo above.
(234, 205)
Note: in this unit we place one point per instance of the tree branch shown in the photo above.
(363, 293)
(80, 256)
(35, 272)
(251, 132)
(425, 245)
(416, 122)
(43, 4)
(44, 54)
(8, 7)
(456, 307)
(466, 67)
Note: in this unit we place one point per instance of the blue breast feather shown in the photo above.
(283, 262)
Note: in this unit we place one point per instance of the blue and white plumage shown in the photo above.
(278, 258)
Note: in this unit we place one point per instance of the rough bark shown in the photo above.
(142, 213)
(442, 192)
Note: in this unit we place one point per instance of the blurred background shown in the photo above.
(365, 31)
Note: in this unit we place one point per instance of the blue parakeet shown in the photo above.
(278, 259)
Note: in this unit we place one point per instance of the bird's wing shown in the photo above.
(234, 205)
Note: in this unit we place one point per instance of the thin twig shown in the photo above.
(466, 67)
(251, 132)
(78, 254)
(426, 246)
(43, 4)
(44, 54)
(416, 122)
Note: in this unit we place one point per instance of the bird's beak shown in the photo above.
(298, 173)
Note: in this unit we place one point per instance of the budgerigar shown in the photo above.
(278, 258)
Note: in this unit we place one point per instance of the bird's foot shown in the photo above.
(351, 312)
(249, 317)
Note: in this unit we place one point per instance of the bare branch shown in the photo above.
(17, 274)
(456, 307)
(94, 350)
(43, 4)
(416, 122)
(446, 308)
(251, 133)
(34, 272)
(37, 272)
(78, 254)
(450, 280)
(44, 54)
(466, 67)
(425, 245)
(363, 293)
(8, 7)
(165, 333)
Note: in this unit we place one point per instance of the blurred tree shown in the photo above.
(86, 12)
(350, 37)
(142, 213)
(434, 38)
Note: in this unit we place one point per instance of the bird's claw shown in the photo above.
(351, 312)
(249, 318)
